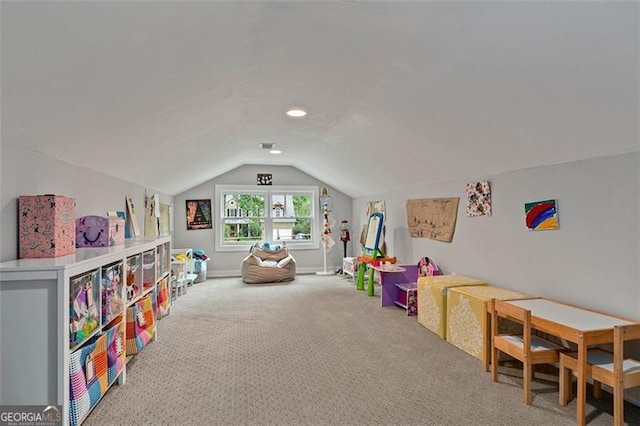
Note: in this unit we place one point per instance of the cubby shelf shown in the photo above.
(36, 308)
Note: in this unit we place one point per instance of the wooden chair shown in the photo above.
(606, 367)
(527, 348)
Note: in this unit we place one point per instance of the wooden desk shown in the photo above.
(390, 275)
(577, 325)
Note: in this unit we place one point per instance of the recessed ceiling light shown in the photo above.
(296, 112)
(275, 151)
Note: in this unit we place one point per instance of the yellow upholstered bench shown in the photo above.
(432, 299)
(469, 318)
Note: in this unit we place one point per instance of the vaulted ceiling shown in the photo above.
(397, 93)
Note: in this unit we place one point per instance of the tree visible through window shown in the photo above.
(249, 214)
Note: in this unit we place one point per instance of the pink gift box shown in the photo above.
(47, 226)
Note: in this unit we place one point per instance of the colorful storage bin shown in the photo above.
(350, 266)
(469, 317)
(84, 307)
(432, 299)
(148, 269)
(88, 378)
(113, 299)
(163, 298)
(134, 277)
(46, 226)
(116, 351)
(140, 324)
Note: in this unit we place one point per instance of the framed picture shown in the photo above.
(265, 179)
(541, 215)
(199, 214)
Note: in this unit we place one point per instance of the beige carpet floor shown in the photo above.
(317, 352)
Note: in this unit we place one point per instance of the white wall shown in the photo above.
(25, 172)
(592, 260)
(228, 263)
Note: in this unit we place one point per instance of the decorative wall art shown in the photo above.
(165, 219)
(151, 215)
(127, 229)
(132, 220)
(326, 203)
(433, 218)
(373, 207)
(541, 215)
(478, 198)
(199, 214)
(265, 179)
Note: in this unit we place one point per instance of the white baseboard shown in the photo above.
(236, 272)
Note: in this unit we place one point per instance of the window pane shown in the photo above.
(252, 214)
(243, 230)
(302, 204)
(291, 205)
(302, 229)
(243, 205)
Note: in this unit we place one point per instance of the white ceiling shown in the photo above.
(398, 93)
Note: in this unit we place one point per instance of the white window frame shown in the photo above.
(267, 191)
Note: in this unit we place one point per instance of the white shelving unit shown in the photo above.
(183, 265)
(35, 323)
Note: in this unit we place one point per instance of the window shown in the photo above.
(281, 213)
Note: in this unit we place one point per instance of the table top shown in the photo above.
(389, 268)
(571, 316)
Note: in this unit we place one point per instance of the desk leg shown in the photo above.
(360, 277)
(370, 289)
(388, 291)
(582, 382)
(486, 340)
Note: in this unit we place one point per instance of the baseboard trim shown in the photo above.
(236, 272)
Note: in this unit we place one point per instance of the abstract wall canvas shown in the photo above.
(478, 198)
(433, 218)
(541, 215)
(265, 179)
(151, 215)
(199, 214)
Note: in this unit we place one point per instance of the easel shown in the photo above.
(371, 253)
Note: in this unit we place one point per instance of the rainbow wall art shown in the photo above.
(541, 215)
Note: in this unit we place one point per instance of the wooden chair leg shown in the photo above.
(533, 371)
(618, 405)
(527, 372)
(566, 384)
(494, 364)
(597, 389)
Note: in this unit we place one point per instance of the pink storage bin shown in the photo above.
(98, 231)
(47, 226)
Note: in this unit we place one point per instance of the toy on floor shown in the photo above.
(428, 267)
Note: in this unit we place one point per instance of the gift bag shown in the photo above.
(140, 325)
